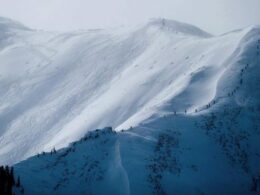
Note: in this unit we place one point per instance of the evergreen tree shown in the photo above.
(6, 180)
(18, 183)
(12, 176)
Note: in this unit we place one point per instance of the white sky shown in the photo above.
(214, 16)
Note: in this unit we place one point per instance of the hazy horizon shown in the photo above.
(216, 17)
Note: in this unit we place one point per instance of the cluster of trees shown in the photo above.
(163, 160)
(242, 71)
(7, 180)
(196, 110)
(53, 151)
(95, 134)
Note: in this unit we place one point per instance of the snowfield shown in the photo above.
(188, 100)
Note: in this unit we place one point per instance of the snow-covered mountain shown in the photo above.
(190, 99)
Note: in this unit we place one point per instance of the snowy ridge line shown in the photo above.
(112, 78)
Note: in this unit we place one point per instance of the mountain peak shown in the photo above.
(176, 26)
(6, 23)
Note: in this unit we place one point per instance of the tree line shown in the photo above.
(8, 181)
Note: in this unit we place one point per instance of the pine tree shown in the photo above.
(18, 183)
(12, 176)
(6, 180)
(1, 180)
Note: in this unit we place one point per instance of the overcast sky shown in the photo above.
(214, 16)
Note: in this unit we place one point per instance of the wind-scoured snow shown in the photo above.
(55, 87)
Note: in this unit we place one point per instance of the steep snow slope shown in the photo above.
(54, 87)
(211, 153)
